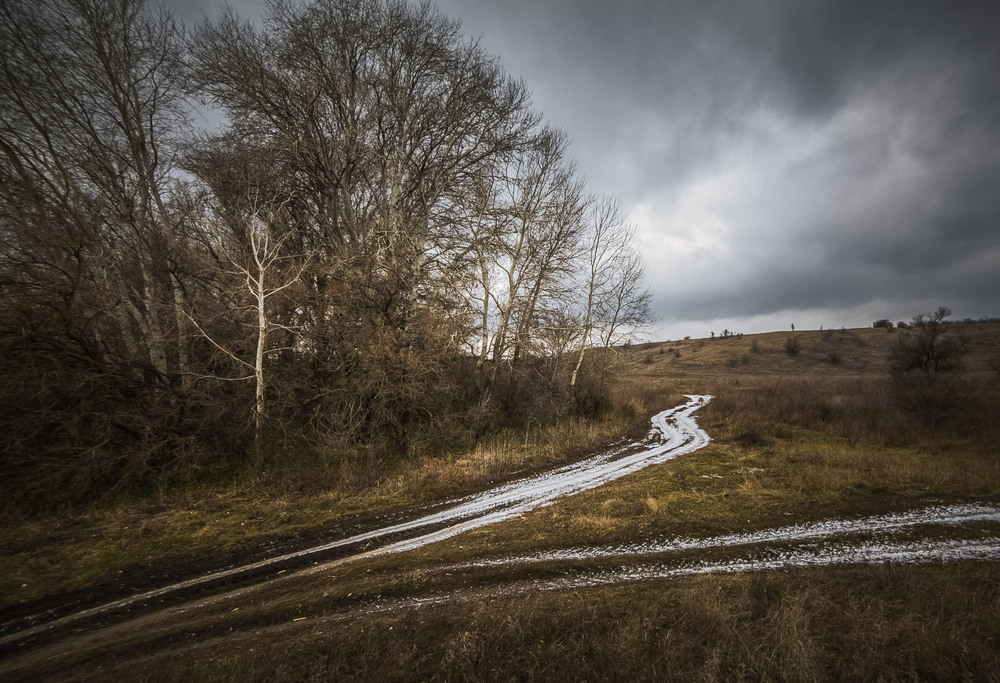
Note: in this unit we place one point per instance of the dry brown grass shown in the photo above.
(832, 625)
(851, 397)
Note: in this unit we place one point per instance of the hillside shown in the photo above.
(823, 353)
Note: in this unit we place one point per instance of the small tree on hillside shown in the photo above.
(924, 364)
(928, 346)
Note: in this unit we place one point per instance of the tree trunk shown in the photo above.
(258, 367)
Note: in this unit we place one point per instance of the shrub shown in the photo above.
(592, 394)
(792, 346)
(933, 398)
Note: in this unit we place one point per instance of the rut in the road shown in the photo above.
(874, 540)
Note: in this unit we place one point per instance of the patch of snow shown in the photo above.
(917, 552)
(951, 515)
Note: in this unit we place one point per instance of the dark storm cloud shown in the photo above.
(195, 11)
(825, 50)
(778, 155)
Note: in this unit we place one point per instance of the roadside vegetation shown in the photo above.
(381, 252)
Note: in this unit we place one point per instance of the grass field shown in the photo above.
(801, 432)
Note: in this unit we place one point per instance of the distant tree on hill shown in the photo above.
(928, 347)
(924, 366)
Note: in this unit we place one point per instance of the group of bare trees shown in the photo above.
(380, 234)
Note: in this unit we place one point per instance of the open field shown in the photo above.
(797, 439)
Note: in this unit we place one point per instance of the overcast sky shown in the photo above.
(806, 162)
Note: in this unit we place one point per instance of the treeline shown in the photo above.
(380, 242)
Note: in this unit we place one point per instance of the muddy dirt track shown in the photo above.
(148, 621)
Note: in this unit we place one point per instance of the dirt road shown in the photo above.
(673, 433)
(151, 621)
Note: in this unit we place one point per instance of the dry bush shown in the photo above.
(80, 428)
(849, 408)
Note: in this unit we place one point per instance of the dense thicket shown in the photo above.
(381, 243)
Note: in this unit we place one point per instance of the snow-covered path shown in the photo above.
(823, 532)
(674, 432)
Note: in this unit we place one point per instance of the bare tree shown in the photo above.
(927, 346)
(615, 302)
(482, 222)
(626, 309)
(376, 110)
(376, 118)
(603, 250)
(91, 102)
(94, 259)
(257, 258)
(534, 250)
(924, 367)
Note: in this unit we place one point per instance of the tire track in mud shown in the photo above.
(825, 530)
(923, 551)
(674, 432)
(873, 540)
